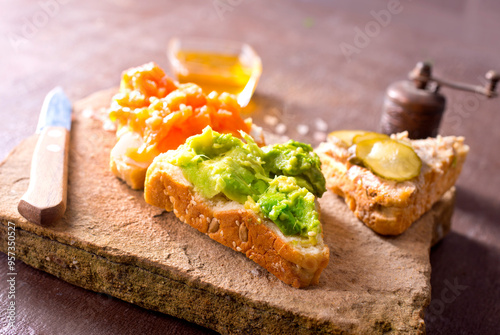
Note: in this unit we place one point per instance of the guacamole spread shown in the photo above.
(280, 181)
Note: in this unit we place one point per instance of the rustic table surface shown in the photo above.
(322, 60)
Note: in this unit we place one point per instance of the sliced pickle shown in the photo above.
(369, 135)
(389, 159)
(347, 136)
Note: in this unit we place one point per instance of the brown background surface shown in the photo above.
(84, 46)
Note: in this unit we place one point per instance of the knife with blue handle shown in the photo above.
(45, 200)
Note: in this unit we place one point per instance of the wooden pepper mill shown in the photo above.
(416, 105)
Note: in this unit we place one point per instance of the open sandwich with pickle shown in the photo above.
(390, 181)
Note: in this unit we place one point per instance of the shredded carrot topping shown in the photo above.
(165, 113)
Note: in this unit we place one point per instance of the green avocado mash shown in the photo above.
(280, 180)
(296, 159)
(290, 206)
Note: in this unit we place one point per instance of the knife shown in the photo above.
(45, 200)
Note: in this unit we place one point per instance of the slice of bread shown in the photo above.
(389, 207)
(133, 172)
(292, 259)
(127, 169)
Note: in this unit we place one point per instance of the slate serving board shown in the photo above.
(111, 241)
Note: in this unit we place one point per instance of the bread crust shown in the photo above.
(389, 207)
(230, 224)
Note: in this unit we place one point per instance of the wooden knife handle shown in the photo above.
(45, 200)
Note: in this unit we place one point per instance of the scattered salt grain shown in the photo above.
(319, 136)
(302, 129)
(280, 129)
(321, 125)
(88, 113)
(271, 120)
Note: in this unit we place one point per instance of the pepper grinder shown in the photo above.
(416, 105)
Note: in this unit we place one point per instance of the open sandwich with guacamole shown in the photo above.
(192, 154)
(390, 181)
(256, 200)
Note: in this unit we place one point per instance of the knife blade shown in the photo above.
(45, 200)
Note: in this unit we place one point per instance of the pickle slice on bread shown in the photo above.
(389, 159)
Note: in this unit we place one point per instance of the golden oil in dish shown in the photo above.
(221, 66)
(214, 72)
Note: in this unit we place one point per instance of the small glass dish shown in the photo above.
(216, 65)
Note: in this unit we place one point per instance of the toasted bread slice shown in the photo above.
(133, 172)
(291, 259)
(389, 207)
